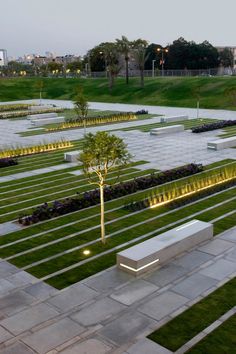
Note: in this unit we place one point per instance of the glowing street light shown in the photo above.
(162, 50)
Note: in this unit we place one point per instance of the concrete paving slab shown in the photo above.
(4, 335)
(52, 336)
(21, 278)
(166, 275)
(15, 302)
(229, 235)
(17, 348)
(25, 320)
(216, 247)
(72, 297)
(163, 305)
(5, 287)
(110, 279)
(133, 292)
(41, 290)
(124, 328)
(232, 255)
(192, 260)
(220, 269)
(7, 269)
(98, 312)
(90, 346)
(147, 346)
(194, 285)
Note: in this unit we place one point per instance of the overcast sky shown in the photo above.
(74, 26)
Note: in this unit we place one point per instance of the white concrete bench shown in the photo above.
(167, 130)
(45, 121)
(221, 144)
(160, 249)
(173, 119)
(72, 156)
(42, 116)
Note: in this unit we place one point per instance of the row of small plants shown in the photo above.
(113, 118)
(24, 113)
(14, 107)
(87, 199)
(179, 195)
(141, 111)
(9, 161)
(213, 126)
(35, 149)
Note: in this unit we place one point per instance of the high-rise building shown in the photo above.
(3, 57)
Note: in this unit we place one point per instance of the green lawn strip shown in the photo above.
(25, 207)
(122, 236)
(94, 266)
(188, 124)
(76, 215)
(54, 186)
(218, 164)
(187, 325)
(221, 341)
(51, 176)
(225, 223)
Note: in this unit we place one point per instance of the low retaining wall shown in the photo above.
(221, 144)
(167, 130)
(173, 119)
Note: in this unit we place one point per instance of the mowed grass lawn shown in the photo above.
(177, 92)
(53, 250)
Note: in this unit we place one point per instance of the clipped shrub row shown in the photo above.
(14, 107)
(213, 126)
(91, 198)
(36, 149)
(113, 118)
(5, 162)
(143, 204)
(18, 114)
(141, 111)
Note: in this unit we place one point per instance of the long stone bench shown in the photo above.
(42, 116)
(45, 121)
(221, 144)
(72, 156)
(158, 250)
(173, 119)
(167, 130)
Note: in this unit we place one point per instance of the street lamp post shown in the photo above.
(162, 50)
(153, 68)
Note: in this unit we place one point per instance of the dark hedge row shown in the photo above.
(8, 161)
(213, 126)
(87, 199)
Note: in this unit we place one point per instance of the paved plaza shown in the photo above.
(113, 312)
(110, 312)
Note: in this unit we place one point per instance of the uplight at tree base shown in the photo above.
(191, 193)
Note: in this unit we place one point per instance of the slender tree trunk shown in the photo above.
(102, 213)
(110, 82)
(142, 78)
(127, 70)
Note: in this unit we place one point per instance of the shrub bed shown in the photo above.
(5, 162)
(113, 118)
(91, 198)
(36, 149)
(14, 107)
(213, 126)
(18, 114)
(143, 204)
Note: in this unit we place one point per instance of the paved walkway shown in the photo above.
(110, 312)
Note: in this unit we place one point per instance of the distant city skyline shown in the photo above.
(75, 26)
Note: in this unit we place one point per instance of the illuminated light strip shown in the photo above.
(198, 190)
(187, 225)
(137, 270)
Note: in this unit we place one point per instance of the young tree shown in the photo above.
(39, 86)
(100, 153)
(81, 107)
